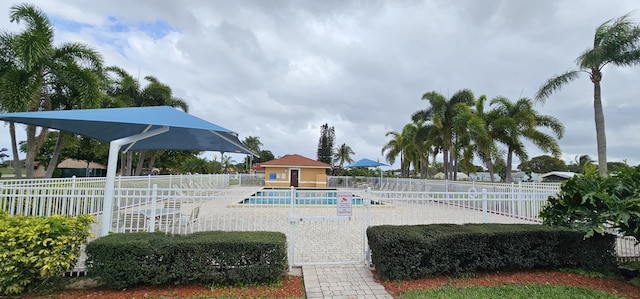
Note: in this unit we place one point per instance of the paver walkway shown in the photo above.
(341, 281)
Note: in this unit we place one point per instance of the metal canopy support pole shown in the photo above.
(114, 149)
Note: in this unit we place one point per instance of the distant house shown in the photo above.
(257, 169)
(484, 176)
(520, 176)
(460, 176)
(70, 167)
(296, 171)
(556, 176)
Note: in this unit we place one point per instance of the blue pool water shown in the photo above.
(303, 197)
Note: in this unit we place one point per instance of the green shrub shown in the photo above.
(36, 249)
(401, 252)
(123, 260)
(592, 203)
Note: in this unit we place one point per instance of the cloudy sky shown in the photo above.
(280, 69)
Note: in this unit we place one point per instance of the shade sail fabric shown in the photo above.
(139, 128)
(186, 132)
(366, 163)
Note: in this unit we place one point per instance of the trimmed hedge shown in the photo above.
(123, 260)
(34, 249)
(403, 252)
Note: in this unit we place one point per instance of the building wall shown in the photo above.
(276, 177)
(313, 178)
(280, 177)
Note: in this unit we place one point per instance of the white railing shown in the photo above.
(184, 204)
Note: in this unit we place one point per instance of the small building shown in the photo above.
(557, 176)
(70, 167)
(484, 176)
(295, 170)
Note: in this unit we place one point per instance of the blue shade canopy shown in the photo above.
(366, 163)
(186, 132)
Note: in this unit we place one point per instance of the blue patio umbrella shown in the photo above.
(138, 128)
(366, 163)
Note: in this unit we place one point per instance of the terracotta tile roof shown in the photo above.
(295, 160)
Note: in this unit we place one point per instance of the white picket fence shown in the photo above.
(184, 204)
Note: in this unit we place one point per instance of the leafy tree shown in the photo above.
(34, 72)
(170, 161)
(616, 166)
(405, 145)
(264, 156)
(194, 164)
(325, 144)
(253, 143)
(580, 163)
(343, 154)
(543, 164)
(513, 121)
(442, 112)
(615, 42)
(475, 136)
(125, 91)
(593, 203)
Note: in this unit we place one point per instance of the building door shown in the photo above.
(294, 177)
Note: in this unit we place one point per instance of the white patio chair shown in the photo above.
(193, 218)
(134, 222)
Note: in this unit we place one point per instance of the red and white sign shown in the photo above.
(343, 201)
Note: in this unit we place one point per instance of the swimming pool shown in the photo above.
(303, 197)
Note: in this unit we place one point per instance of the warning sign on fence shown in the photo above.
(344, 204)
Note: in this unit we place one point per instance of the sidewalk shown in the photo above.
(341, 281)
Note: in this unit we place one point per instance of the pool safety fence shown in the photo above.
(320, 230)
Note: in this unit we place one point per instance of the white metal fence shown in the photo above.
(316, 234)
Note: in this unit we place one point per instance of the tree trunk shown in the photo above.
(152, 160)
(34, 143)
(489, 164)
(601, 137)
(140, 163)
(445, 163)
(123, 163)
(53, 163)
(509, 161)
(17, 167)
(129, 163)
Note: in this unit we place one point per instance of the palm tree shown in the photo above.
(441, 112)
(395, 148)
(343, 154)
(615, 42)
(253, 143)
(478, 140)
(513, 121)
(34, 71)
(423, 143)
(124, 91)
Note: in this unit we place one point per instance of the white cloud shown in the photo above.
(280, 69)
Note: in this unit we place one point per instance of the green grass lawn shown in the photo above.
(509, 291)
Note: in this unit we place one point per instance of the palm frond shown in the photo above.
(554, 84)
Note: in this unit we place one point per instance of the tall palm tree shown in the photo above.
(343, 154)
(34, 70)
(513, 121)
(124, 91)
(253, 143)
(615, 42)
(394, 148)
(441, 112)
(423, 144)
(478, 140)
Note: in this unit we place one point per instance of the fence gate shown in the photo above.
(327, 227)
